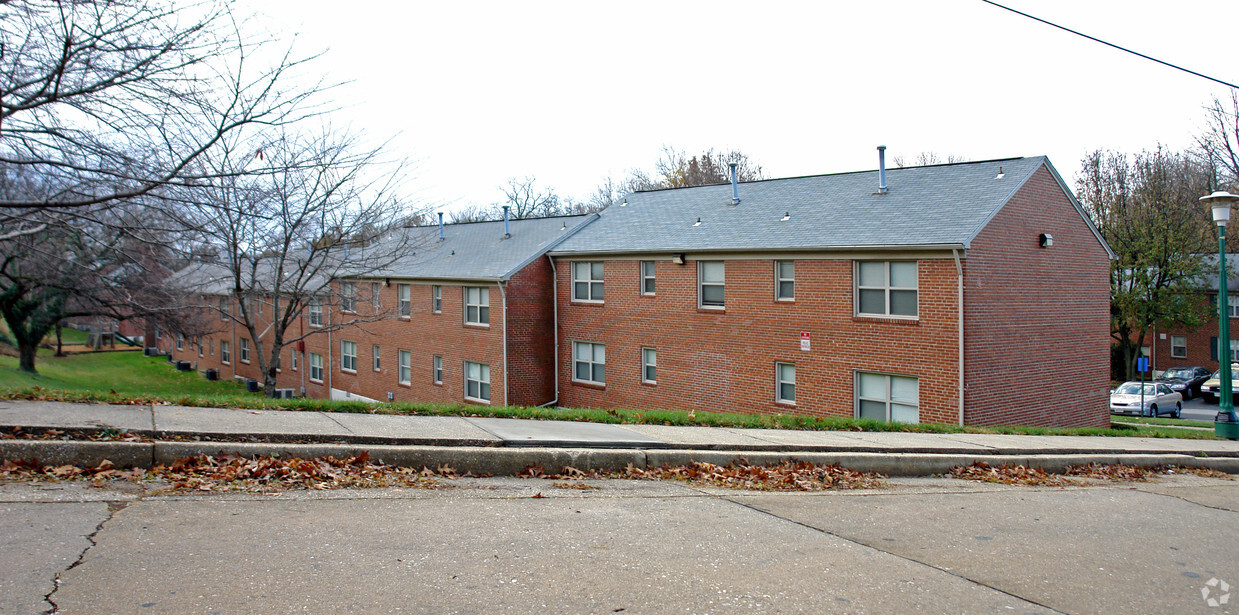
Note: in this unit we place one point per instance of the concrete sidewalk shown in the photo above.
(506, 446)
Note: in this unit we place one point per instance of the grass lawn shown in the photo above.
(132, 377)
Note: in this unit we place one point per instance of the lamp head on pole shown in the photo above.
(1221, 202)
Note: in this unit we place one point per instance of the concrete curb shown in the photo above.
(507, 461)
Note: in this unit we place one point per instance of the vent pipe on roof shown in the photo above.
(506, 234)
(882, 170)
(440, 226)
(735, 187)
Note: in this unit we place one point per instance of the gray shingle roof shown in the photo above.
(942, 205)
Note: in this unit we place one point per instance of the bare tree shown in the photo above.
(528, 200)
(925, 159)
(475, 213)
(1220, 141)
(297, 227)
(679, 170)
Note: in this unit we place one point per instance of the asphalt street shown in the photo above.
(1197, 410)
(923, 545)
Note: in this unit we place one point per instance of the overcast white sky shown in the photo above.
(573, 91)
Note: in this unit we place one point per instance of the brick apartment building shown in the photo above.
(973, 293)
(1181, 346)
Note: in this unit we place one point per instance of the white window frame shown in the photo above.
(377, 354)
(649, 279)
(225, 353)
(245, 349)
(780, 381)
(480, 307)
(376, 294)
(701, 284)
(258, 302)
(888, 290)
(593, 362)
(780, 279)
(589, 276)
(888, 398)
(404, 361)
(404, 301)
(348, 356)
(436, 299)
(180, 341)
(1178, 350)
(316, 367)
(649, 365)
(211, 346)
(348, 297)
(294, 359)
(316, 313)
(436, 369)
(225, 308)
(482, 381)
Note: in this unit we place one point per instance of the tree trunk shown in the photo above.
(26, 352)
(60, 349)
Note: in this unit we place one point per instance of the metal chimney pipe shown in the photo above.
(735, 188)
(506, 234)
(440, 226)
(882, 169)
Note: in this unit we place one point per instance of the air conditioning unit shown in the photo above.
(284, 393)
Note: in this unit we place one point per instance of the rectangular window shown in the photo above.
(259, 301)
(587, 282)
(316, 367)
(348, 356)
(647, 277)
(649, 365)
(404, 359)
(711, 278)
(1213, 352)
(316, 313)
(376, 354)
(403, 300)
(245, 350)
(348, 297)
(1232, 304)
(225, 353)
(886, 288)
(477, 305)
(180, 341)
(589, 362)
(375, 295)
(785, 280)
(785, 383)
(199, 348)
(477, 381)
(436, 299)
(211, 346)
(223, 308)
(293, 357)
(1178, 346)
(437, 372)
(883, 397)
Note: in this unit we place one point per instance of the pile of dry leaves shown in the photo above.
(786, 476)
(1024, 475)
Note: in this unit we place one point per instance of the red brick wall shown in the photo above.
(724, 361)
(1037, 319)
(531, 342)
(1199, 345)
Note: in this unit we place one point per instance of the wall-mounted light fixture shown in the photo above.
(678, 258)
(387, 282)
(1047, 240)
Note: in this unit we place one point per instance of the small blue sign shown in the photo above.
(1142, 364)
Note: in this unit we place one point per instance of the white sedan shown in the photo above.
(1158, 400)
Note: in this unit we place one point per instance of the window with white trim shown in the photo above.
(711, 282)
(259, 300)
(376, 294)
(224, 308)
(477, 381)
(436, 299)
(376, 354)
(316, 313)
(647, 277)
(404, 301)
(477, 305)
(889, 398)
(785, 383)
(589, 362)
(316, 367)
(245, 350)
(886, 288)
(649, 365)
(587, 282)
(785, 280)
(404, 359)
(225, 353)
(293, 357)
(348, 356)
(1178, 346)
(211, 346)
(180, 341)
(348, 297)
(437, 369)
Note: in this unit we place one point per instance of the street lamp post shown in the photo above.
(1226, 424)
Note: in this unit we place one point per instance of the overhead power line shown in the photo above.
(1120, 48)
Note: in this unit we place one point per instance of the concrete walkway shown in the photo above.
(507, 446)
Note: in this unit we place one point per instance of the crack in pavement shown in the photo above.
(893, 554)
(113, 508)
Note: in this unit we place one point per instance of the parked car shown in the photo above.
(1158, 400)
(1186, 380)
(1209, 390)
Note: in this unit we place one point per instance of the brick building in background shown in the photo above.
(974, 293)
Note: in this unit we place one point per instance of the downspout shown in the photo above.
(330, 370)
(505, 342)
(959, 276)
(555, 327)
